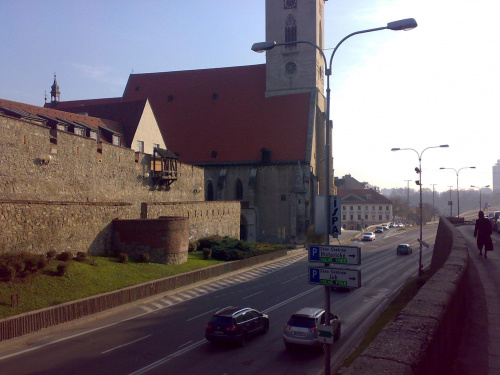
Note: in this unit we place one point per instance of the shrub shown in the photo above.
(62, 269)
(207, 253)
(30, 264)
(65, 256)
(193, 246)
(7, 272)
(144, 258)
(122, 258)
(209, 242)
(81, 256)
(50, 254)
(18, 266)
(42, 262)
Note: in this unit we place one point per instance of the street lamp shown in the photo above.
(458, 196)
(405, 24)
(419, 182)
(480, 188)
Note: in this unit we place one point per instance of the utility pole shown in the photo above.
(433, 208)
(407, 200)
(450, 203)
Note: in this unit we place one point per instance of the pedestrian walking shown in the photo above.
(482, 230)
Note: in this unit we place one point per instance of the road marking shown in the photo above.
(251, 295)
(128, 343)
(205, 313)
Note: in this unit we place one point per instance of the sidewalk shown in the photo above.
(479, 352)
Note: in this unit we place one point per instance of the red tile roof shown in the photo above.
(224, 110)
(126, 113)
(93, 122)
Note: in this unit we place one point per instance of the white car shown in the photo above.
(368, 236)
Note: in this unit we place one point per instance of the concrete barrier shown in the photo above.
(422, 339)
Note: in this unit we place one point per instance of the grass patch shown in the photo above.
(406, 294)
(84, 279)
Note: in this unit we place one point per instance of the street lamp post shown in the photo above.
(458, 195)
(419, 183)
(480, 188)
(405, 24)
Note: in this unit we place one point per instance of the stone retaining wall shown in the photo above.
(37, 320)
(422, 339)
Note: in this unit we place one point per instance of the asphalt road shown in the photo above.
(166, 335)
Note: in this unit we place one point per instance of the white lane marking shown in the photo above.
(251, 295)
(190, 341)
(196, 344)
(168, 358)
(295, 278)
(205, 313)
(128, 343)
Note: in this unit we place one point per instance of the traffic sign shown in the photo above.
(335, 254)
(335, 224)
(325, 334)
(329, 276)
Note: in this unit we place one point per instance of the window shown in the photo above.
(373, 208)
(239, 190)
(366, 217)
(387, 208)
(291, 31)
(380, 208)
(351, 217)
(380, 217)
(359, 208)
(79, 131)
(351, 208)
(93, 135)
(343, 208)
(359, 217)
(140, 146)
(209, 191)
(343, 217)
(61, 127)
(156, 145)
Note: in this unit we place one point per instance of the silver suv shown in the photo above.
(302, 328)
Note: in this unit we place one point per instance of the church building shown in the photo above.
(258, 131)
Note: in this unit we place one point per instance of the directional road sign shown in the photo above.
(325, 334)
(329, 276)
(350, 255)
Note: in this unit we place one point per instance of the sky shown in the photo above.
(434, 85)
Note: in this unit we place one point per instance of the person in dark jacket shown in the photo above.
(482, 231)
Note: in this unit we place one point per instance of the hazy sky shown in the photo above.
(437, 84)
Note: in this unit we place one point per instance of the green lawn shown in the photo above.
(83, 279)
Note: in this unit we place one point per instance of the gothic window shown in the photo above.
(209, 191)
(291, 31)
(239, 190)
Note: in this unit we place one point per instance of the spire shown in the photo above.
(55, 94)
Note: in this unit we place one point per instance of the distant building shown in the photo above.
(361, 207)
(496, 177)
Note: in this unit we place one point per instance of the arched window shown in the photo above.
(239, 190)
(209, 191)
(290, 31)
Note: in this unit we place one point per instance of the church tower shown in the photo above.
(298, 67)
(55, 94)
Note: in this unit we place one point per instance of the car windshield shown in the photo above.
(301, 321)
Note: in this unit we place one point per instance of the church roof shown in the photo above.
(219, 115)
(224, 110)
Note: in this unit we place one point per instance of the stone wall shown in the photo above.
(70, 202)
(422, 339)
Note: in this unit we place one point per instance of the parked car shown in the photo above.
(302, 328)
(404, 248)
(368, 236)
(494, 220)
(385, 226)
(236, 325)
